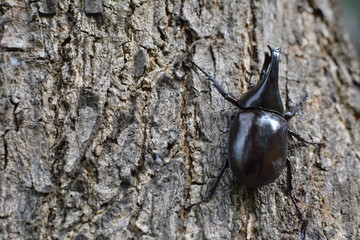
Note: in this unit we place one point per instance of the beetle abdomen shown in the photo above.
(257, 146)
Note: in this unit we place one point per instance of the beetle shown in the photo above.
(257, 146)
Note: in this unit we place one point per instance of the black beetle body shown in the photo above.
(258, 136)
(257, 147)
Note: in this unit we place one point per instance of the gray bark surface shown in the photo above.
(106, 133)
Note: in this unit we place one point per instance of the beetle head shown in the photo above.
(266, 93)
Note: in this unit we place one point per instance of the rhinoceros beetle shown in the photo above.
(257, 147)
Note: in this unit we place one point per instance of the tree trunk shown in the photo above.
(107, 133)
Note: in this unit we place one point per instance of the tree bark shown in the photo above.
(107, 133)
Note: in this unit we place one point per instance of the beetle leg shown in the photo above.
(290, 192)
(211, 192)
(300, 138)
(297, 107)
(228, 96)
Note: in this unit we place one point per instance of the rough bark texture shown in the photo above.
(106, 133)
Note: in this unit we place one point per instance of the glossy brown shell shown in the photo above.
(257, 146)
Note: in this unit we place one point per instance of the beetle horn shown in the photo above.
(266, 93)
